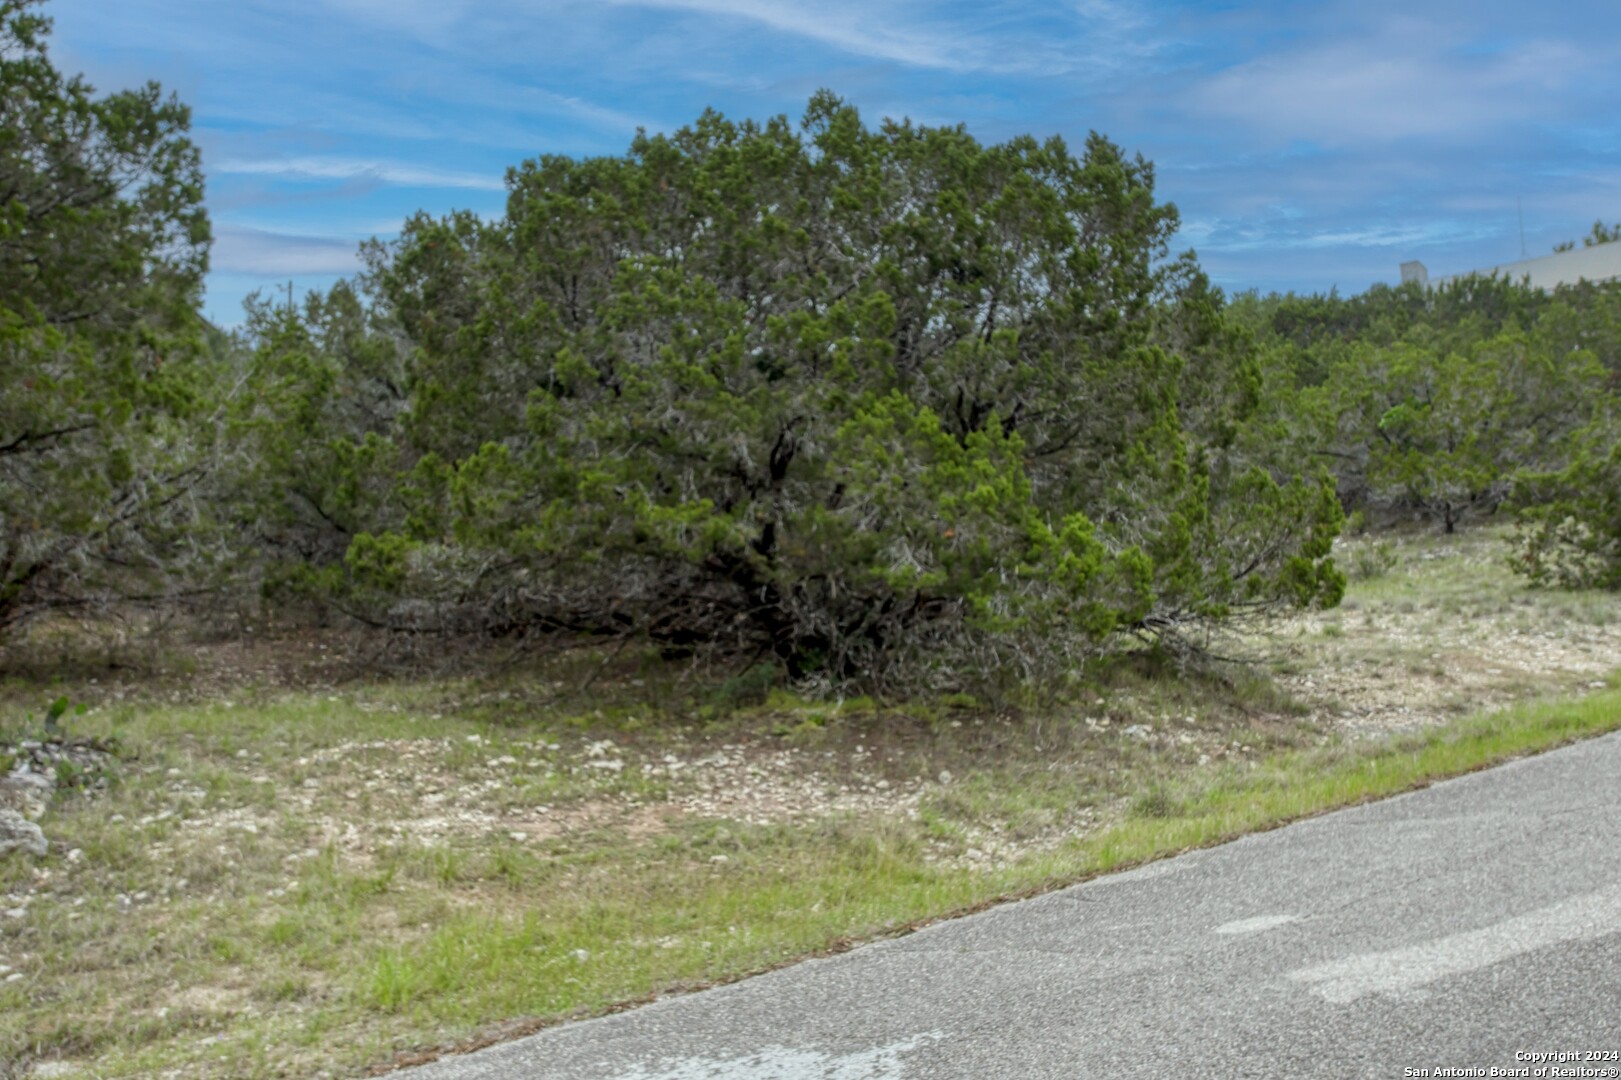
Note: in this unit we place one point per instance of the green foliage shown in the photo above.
(1570, 524)
(316, 464)
(55, 711)
(1305, 339)
(1600, 234)
(1444, 434)
(1373, 560)
(103, 243)
(46, 726)
(865, 400)
(752, 687)
(1434, 402)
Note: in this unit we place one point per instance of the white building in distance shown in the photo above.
(1601, 262)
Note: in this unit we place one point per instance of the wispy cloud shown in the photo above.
(1407, 80)
(240, 250)
(482, 93)
(1306, 142)
(349, 169)
(1398, 236)
(885, 32)
(1084, 39)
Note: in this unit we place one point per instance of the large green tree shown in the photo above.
(864, 399)
(103, 244)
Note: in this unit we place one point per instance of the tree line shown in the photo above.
(874, 403)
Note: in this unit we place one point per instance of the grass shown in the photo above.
(271, 958)
(1210, 809)
(314, 882)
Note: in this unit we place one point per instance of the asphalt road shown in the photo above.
(1453, 928)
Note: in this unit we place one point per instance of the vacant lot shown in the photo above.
(301, 869)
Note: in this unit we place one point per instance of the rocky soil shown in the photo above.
(1446, 631)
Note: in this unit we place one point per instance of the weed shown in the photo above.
(393, 981)
(228, 950)
(1156, 802)
(1371, 560)
(449, 866)
(752, 687)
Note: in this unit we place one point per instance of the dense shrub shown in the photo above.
(105, 383)
(1435, 403)
(882, 403)
(1445, 434)
(1570, 525)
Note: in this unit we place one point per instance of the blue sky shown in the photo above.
(1307, 145)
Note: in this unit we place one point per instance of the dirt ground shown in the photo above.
(1443, 630)
(308, 787)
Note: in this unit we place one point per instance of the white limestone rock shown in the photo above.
(18, 833)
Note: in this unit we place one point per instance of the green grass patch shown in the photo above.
(1290, 786)
(351, 964)
(286, 883)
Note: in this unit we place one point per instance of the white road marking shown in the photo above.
(787, 1063)
(1396, 971)
(1254, 925)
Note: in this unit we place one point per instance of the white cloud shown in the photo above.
(1028, 36)
(479, 94)
(1241, 236)
(892, 35)
(882, 32)
(917, 35)
(258, 251)
(1391, 236)
(1406, 80)
(341, 168)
